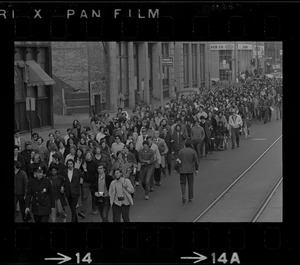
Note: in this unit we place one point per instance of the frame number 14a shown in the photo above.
(234, 259)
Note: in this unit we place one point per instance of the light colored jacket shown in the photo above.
(128, 190)
(235, 124)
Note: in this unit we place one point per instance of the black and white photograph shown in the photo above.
(175, 131)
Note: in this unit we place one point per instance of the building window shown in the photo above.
(202, 65)
(224, 74)
(225, 61)
(194, 65)
(185, 65)
(165, 70)
(123, 57)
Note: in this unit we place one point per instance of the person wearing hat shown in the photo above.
(39, 196)
(20, 187)
(146, 158)
(37, 162)
(57, 182)
(26, 153)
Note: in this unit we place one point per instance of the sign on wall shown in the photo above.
(217, 47)
(245, 47)
(167, 61)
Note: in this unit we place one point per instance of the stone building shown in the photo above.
(97, 72)
(33, 86)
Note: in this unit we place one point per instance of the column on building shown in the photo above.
(157, 74)
(144, 72)
(131, 81)
(113, 73)
(178, 65)
(198, 65)
(206, 58)
(172, 72)
(190, 72)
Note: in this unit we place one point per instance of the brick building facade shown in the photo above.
(131, 68)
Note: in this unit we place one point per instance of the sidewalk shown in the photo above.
(63, 122)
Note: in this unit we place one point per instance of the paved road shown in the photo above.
(244, 199)
(273, 211)
(216, 172)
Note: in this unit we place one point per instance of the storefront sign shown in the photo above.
(245, 47)
(216, 47)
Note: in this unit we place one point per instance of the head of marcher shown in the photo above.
(117, 174)
(53, 169)
(70, 164)
(188, 143)
(202, 119)
(146, 144)
(28, 145)
(88, 156)
(38, 172)
(100, 169)
(17, 166)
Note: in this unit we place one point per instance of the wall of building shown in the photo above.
(42, 116)
(214, 64)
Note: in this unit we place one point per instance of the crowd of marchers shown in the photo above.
(111, 157)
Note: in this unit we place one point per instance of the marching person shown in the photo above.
(100, 189)
(235, 122)
(163, 150)
(197, 137)
(57, 182)
(72, 186)
(157, 161)
(40, 196)
(120, 191)
(189, 165)
(20, 187)
(146, 158)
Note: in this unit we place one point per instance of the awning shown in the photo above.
(36, 75)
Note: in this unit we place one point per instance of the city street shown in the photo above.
(216, 172)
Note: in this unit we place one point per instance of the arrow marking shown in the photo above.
(63, 258)
(199, 258)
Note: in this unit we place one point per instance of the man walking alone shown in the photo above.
(189, 165)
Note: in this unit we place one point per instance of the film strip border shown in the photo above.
(145, 21)
(153, 243)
